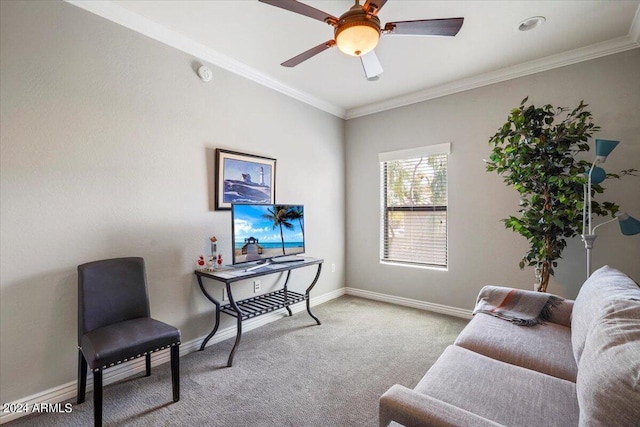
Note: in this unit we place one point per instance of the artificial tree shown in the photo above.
(535, 152)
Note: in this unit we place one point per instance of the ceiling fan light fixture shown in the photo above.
(356, 33)
(358, 39)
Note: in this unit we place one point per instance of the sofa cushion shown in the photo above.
(501, 392)
(608, 384)
(545, 348)
(604, 283)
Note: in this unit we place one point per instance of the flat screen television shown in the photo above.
(267, 233)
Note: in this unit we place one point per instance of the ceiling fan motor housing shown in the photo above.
(356, 32)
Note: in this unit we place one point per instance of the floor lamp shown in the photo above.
(628, 224)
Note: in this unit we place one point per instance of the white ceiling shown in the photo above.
(252, 38)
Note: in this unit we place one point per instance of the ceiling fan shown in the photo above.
(358, 30)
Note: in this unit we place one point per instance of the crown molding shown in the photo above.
(111, 11)
(587, 53)
(142, 25)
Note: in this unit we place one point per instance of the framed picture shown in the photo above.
(244, 178)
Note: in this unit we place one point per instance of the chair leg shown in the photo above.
(148, 363)
(82, 376)
(175, 372)
(97, 398)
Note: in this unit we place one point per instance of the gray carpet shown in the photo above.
(290, 372)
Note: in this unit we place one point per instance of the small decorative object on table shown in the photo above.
(219, 261)
(214, 251)
(201, 262)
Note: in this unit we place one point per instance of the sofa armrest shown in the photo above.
(413, 409)
(560, 313)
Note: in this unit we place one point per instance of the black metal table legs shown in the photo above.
(315, 279)
(258, 305)
(213, 300)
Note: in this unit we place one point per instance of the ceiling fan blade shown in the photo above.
(425, 27)
(308, 54)
(373, 6)
(302, 9)
(371, 65)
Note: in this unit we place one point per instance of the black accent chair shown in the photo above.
(114, 324)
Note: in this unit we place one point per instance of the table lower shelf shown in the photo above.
(262, 304)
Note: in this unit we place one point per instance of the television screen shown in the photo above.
(262, 232)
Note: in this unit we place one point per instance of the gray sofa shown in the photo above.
(580, 367)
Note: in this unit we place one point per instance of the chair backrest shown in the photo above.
(111, 291)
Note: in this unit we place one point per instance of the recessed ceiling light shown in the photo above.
(531, 23)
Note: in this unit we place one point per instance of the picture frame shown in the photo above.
(244, 178)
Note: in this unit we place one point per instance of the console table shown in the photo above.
(260, 304)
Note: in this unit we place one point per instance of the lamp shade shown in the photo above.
(628, 224)
(597, 175)
(604, 147)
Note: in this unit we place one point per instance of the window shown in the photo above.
(414, 206)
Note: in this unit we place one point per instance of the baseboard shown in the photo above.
(68, 390)
(422, 305)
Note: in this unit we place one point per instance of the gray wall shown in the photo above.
(107, 151)
(481, 250)
(107, 142)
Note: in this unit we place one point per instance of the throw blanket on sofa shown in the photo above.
(525, 308)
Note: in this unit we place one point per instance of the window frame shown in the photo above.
(409, 154)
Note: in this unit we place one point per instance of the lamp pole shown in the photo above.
(603, 148)
(629, 226)
(588, 240)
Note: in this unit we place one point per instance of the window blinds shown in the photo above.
(414, 206)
